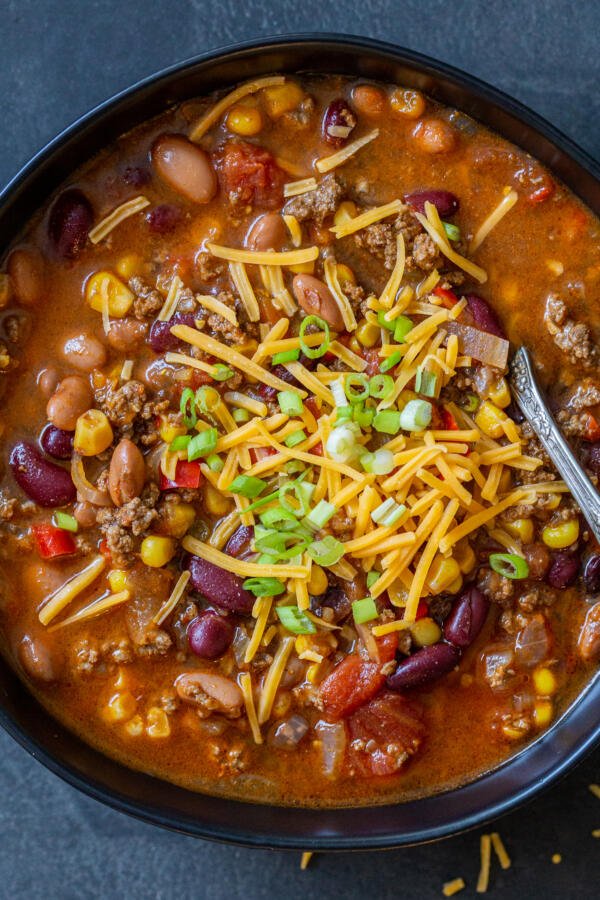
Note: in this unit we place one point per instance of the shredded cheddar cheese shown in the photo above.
(118, 215)
(244, 90)
(327, 163)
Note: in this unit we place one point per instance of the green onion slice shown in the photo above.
(381, 386)
(425, 382)
(452, 231)
(285, 356)
(364, 610)
(383, 322)
(392, 360)
(302, 493)
(221, 372)
(295, 620)
(179, 443)
(247, 486)
(510, 565)
(402, 326)
(469, 402)
(388, 513)
(327, 552)
(202, 444)
(207, 399)
(356, 387)
(215, 463)
(320, 515)
(290, 403)
(387, 421)
(343, 413)
(296, 437)
(363, 416)
(264, 587)
(187, 408)
(416, 415)
(65, 521)
(372, 577)
(321, 324)
(240, 416)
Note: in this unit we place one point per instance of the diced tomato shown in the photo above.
(312, 405)
(448, 298)
(258, 453)
(354, 680)
(52, 542)
(592, 428)
(448, 420)
(543, 191)
(187, 475)
(103, 549)
(318, 449)
(391, 727)
(250, 175)
(371, 358)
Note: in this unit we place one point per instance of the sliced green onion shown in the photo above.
(286, 356)
(388, 513)
(273, 496)
(342, 413)
(364, 610)
(327, 552)
(275, 543)
(221, 372)
(402, 325)
(278, 517)
(392, 360)
(215, 463)
(293, 466)
(366, 461)
(381, 386)
(416, 415)
(290, 403)
(372, 577)
(387, 421)
(383, 462)
(356, 380)
(321, 324)
(453, 231)
(363, 416)
(207, 399)
(179, 443)
(65, 521)
(321, 514)
(510, 565)
(295, 620)
(385, 323)
(341, 443)
(202, 444)
(264, 587)
(296, 437)
(247, 486)
(425, 382)
(469, 402)
(187, 408)
(339, 394)
(240, 416)
(302, 492)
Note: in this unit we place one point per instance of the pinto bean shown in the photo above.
(435, 136)
(127, 473)
(192, 685)
(589, 636)
(48, 381)
(84, 352)
(26, 269)
(315, 298)
(268, 232)
(71, 399)
(126, 334)
(85, 513)
(537, 557)
(424, 666)
(467, 618)
(36, 659)
(185, 167)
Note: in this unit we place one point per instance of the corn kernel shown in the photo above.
(505, 483)
(425, 632)
(119, 296)
(367, 333)
(302, 644)
(442, 573)
(93, 433)
(120, 707)
(129, 265)
(157, 551)
(544, 681)
(490, 419)
(117, 579)
(170, 430)
(456, 586)
(177, 519)
(552, 501)
(135, 726)
(5, 290)
(521, 529)
(157, 723)
(318, 583)
(557, 537)
(355, 345)
(345, 273)
(543, 713)
(215, 502)
(465, 556)
(500, 394)
(345, 211)
(306, 268)
(313, 673)
(244, 120)
(248, 348)
(282, 98)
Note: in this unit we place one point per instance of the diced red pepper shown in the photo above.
(355, 681)
(318, 449)
(422, 610)
(258, 453)
(448, 420)
(448, 298)
(187, 475)
(592, 428)
(52, 542)
(312, 406)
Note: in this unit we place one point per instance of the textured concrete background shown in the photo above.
(57, 59)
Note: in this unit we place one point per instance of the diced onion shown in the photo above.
(85, 489)
(481, 345)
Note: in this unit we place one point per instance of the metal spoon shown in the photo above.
(529, 397)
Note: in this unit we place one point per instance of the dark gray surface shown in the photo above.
(56, 61)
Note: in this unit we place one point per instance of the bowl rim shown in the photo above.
(570, 738)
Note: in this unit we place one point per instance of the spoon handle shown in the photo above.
(528, 395)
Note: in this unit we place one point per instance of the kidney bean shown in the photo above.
(71, 399)
(163, 219)
(160, 338)
(222, 588)
(44, 482)
(513, 411)
(484, 316)
(136, 176)
(445, 202)
(185, 167)
(435, 136)
(424, 666)
(336, 599)
(467, 618)
(57, 442)
(26, 268)
(591, 573)
(591, 457)
(192, 685)
(126, 334)
(210, 635)
(563, 570)
(36, 659)
(538, 559)
(126, 474)
(85, 513)
(268, 232)
(48, 381)
(239, 541)
(69, 223)
(315, 298)
(85, 352)
(338, 123)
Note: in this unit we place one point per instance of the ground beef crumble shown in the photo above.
(572, 337)
(123, 527)
(148, 302)
(123, 404)
(317, 204)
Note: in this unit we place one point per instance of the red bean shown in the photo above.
(467, 618)
(564, 569)
(69, 223)
(484, 316)
(57, 442)
(445, 202)
(591, 573)
(210, 635)
(591, 457)
(338, 122)
(136, 176)
(537, 557)
(424, 666)
(239, 541)
(44, 482)
(222, 588)
(160, 338)
(164, 218)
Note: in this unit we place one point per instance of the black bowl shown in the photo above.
(434, 817)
